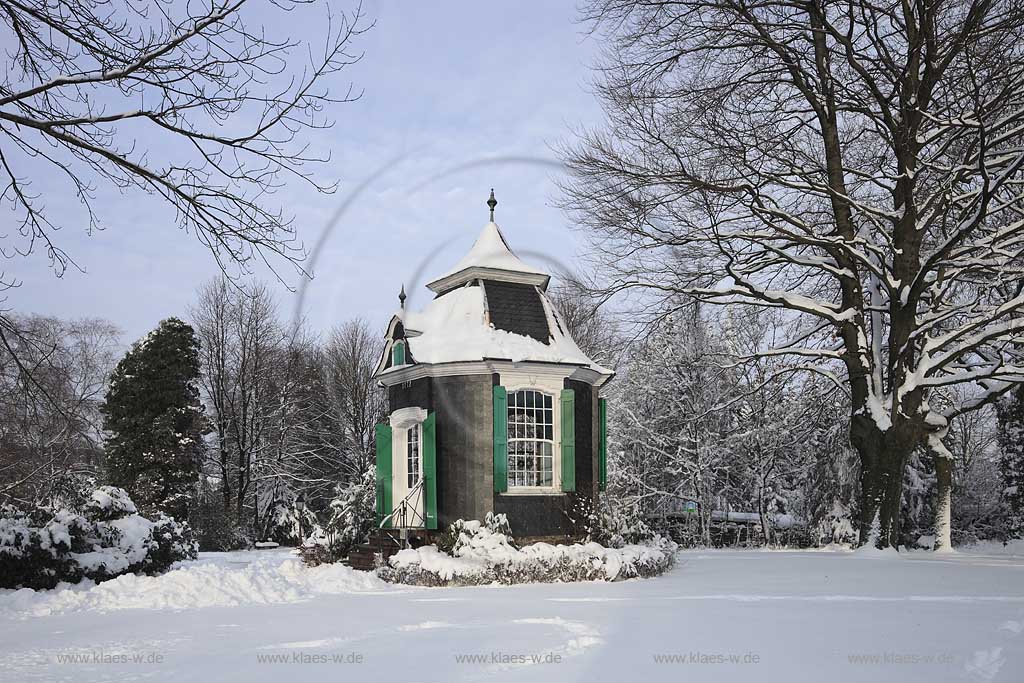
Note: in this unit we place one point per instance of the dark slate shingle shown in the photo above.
(517, 308)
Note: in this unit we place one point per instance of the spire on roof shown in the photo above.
(401, 297)
(492, 202)
(492, 259)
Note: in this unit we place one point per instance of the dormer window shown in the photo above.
(398, 353)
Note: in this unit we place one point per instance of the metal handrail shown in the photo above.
(410, 501)
(404, 505)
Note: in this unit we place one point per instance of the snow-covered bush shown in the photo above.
(352, 513)
(109, 502)
(481, 555)
(288, 525)
(217, 526)
(70, 491)
(351, 519)
(615, 525)
(103, 540)
(461, 534)
(172, 541)
(837, 526)
(39, 557)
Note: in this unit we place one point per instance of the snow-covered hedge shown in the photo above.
(481, 555)
(105, 539)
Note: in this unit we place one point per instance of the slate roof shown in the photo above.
(516, 307)
(491, 306)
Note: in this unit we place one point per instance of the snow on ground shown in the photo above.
(717, 616)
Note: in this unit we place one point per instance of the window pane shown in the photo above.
(546, 478)
(412, 456)
(531, 439)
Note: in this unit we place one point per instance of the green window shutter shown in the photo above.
(568, 440)
(430, 470)
(398, 353)
(383, 472)
(500, 440)
(602, 453)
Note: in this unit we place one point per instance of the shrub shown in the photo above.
(103, 540)
(173, 541)
(472, 553)
(108, 502)
(610, 524)
(837, 526)
(217, 528)
(352, 513)
(462, 534)
(283, 525)
(38, 557)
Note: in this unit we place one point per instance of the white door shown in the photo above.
(407, 476)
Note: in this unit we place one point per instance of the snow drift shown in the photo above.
(218, 580)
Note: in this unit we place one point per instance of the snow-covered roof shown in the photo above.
(490, 257)
(490, 306)
(454, 327)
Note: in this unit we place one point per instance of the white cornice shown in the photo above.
(408, 373)
(477, 272)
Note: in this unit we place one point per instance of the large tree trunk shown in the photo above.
(883, 461)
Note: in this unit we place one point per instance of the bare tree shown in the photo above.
(855, 164)
(290, 415)
(350, 358)
(92, 87)
(50, 425)
(241, 341)
(594, 330)
(671, 417)
(301, 456)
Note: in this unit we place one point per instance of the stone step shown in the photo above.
(364, 556)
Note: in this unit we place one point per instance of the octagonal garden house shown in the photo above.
(493, 406)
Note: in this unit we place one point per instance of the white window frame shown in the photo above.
(413, 437)
(402, 422)
(552, 387)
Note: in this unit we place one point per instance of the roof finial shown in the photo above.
(492, 202)
(401, 297)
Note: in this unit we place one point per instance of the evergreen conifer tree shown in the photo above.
(154, 420)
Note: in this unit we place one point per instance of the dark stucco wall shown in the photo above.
(465, 472)
(416, 394)
(536, 515)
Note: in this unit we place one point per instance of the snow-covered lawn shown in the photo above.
(785, 616)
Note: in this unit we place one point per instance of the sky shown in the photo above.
(457, 98)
